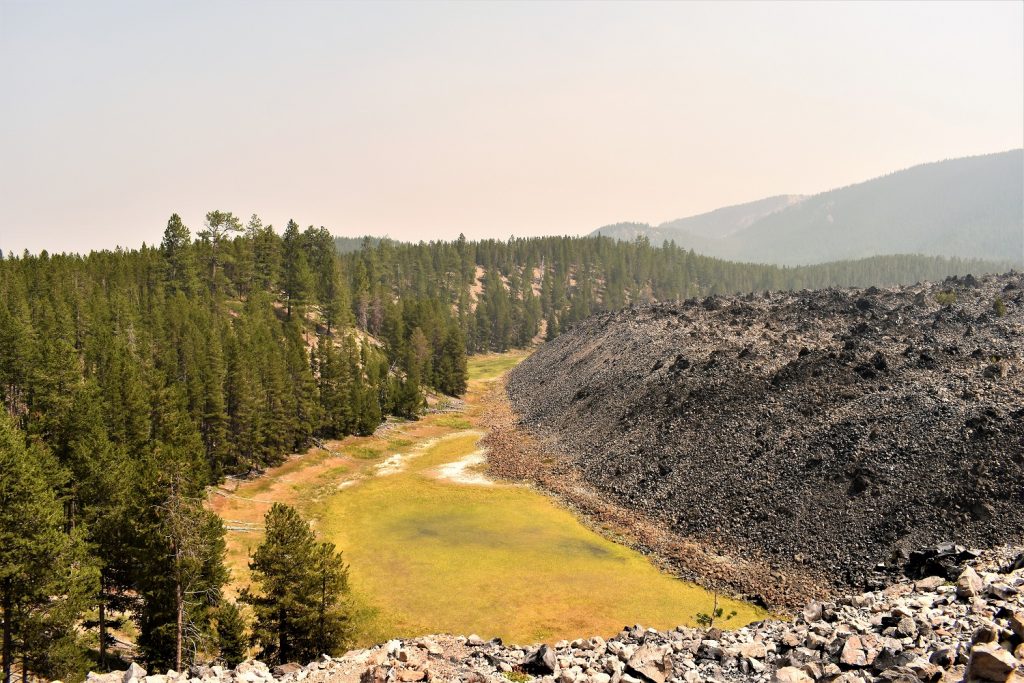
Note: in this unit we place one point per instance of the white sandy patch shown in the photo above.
(397, 462)
(345, 484)
(393, 465)
(463, 471)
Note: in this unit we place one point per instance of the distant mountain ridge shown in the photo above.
(971, 207)
(732, 219)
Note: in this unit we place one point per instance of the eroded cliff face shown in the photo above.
(834, 429)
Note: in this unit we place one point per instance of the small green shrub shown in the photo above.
(946, 297)
(706, 620)
(999, 306)
(518, 676)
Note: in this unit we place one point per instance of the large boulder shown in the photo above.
(1017, 624)
(969, 584)
(542, 662)
(134, 674)
(110, 677)
(791, 674)
(282, 670)
(856, 652)
(993, 663)
(653, 663)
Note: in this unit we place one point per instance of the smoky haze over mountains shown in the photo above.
(970, 207)
(424, 120)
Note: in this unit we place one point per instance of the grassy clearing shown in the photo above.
(428, 555)
(364, 452)
(453, 422)
(493, 365)
(498, 561)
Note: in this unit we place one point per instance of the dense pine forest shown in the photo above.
(133, 379)
(503, 293)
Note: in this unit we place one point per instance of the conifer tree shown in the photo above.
(182, 557)
(17, 347)
(214, 417)
(552, 328)
(45, 577)
(231, 634)
(266, 248)
(100, 488)
(302, 398)
(302, 584)
(336, 302)
(296, 274)
(242, 402)
(451, 363)
(219, 225)
(179, 263)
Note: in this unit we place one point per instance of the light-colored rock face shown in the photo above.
(969, 585)
(928, 631)
(791, 674)
(1017, 624)
(992, 663)
(652, 662)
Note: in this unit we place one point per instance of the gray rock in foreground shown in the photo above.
(908, 632)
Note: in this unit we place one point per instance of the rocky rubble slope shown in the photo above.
(829, 431)
(928, 630)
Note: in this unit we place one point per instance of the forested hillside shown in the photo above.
(971, 207)
(133, 379)
(702, 231)
(548, 283)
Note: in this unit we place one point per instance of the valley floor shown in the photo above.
(435, 544)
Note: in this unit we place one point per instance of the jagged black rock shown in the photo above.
(833, 429)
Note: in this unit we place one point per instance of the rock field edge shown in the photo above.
(965, 624)
(828, 432)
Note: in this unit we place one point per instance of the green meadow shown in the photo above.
(431, 554)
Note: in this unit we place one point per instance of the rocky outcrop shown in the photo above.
(828, 431)
(911, 631)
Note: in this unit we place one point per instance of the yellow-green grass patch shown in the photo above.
(428, 556)
(453, 422)
(493, 365)
(364, 452)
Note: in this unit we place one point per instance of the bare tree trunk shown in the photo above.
(282, 637)
(180, 604)
(7, 610)
(103, 621)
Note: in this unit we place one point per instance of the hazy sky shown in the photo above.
(421, 120)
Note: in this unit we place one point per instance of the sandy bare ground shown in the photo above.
(466, 470)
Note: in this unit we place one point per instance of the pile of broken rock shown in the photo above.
(937, 629)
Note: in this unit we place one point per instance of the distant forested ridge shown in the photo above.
(133, 379)
(505, 293)
(347, 245)
(970, 208)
